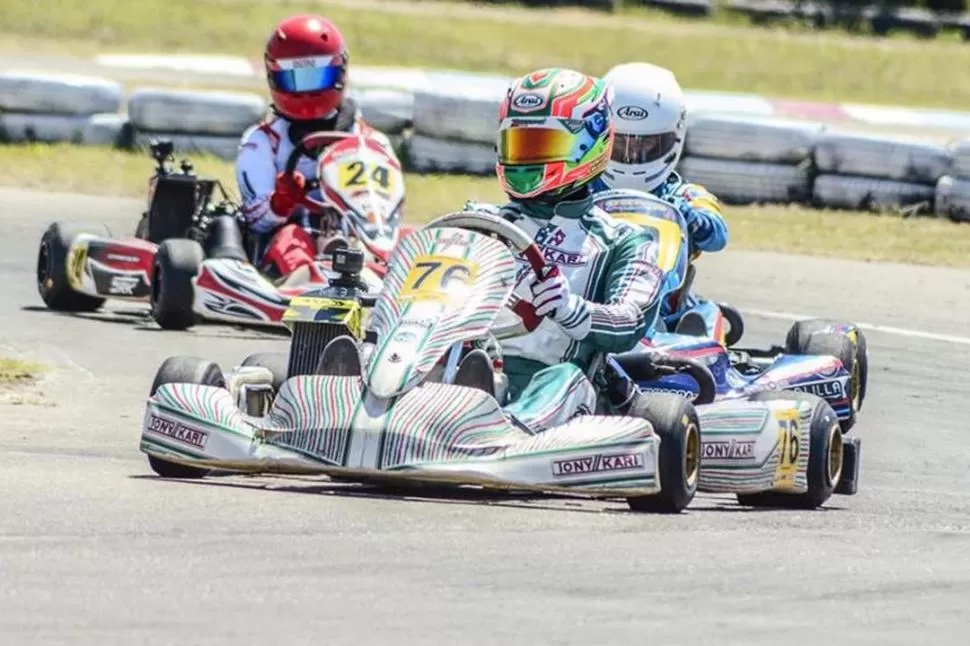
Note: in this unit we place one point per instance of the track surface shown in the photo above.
(95, 550)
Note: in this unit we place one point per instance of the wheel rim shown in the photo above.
(835, 454)
(856, 379)
(692, 455)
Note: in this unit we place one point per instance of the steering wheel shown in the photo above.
(516, 239)
(302, 149)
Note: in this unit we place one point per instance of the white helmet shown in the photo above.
(650, 124)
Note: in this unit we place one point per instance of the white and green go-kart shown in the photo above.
(406, 399)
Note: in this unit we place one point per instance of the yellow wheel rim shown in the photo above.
(692, 455)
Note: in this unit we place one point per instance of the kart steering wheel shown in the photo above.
(313, 140)
(513, 237)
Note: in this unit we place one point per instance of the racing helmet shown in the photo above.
(306, 67)
(650, 118)
(554, 134)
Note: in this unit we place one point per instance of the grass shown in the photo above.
(845, 234)
(14, 372)
(513, 41)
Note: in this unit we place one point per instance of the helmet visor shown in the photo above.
(642, 149)
(307, 79)
(535, 145)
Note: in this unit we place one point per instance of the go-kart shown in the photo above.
(190, 256)
(409, 399)
(821, 357)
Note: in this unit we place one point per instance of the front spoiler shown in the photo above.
(437, 434)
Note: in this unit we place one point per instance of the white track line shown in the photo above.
(886, 329)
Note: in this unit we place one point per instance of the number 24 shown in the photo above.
(379, 174)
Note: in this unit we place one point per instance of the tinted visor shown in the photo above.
(642, 149)
(535, 145)
(307, 79)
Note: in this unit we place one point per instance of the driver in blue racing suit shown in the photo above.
(650, 119)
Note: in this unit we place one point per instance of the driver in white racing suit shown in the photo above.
(306, 66)
(650, 118)
(601, 291)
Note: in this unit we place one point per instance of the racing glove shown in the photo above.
(552, 297)
(288, 194)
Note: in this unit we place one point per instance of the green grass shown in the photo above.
(793, 229)
(14, 372)
(513, 41)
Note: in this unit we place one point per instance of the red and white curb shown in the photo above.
(409, 79)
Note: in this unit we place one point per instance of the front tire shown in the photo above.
(52, 270)
(674, 420)
(825, 457)
(735, 324)
(184, 370)
(177, 262)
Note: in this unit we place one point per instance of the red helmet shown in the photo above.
(306, 65)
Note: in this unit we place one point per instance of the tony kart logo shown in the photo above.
(598, 463)
(728, 450)
(177, 431)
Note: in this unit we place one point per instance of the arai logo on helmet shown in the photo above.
(632, 113)
(527, 101)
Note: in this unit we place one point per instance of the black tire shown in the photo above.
(340, 358)
(52, 282)
(276, 362)
(177, 262)
(184, 370)
(141, 229)
(825, 457)
(475, 371)
(674, 419)
(809, 337)
(735, 323)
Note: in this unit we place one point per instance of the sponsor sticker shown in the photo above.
(177, 431)
(728, 450)
(823, 389)
(597, 463)
(123, 285)
(527, 101)
(632, 113)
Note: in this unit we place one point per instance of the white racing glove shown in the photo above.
(552, 297)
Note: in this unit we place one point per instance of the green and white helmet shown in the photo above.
(555, 133)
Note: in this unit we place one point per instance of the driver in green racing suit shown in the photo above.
(602, 290)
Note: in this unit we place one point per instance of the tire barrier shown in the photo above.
(953, 198)
(743, 182)
(445, 122)
(428, 155)
(63, 94)
(882, 157)
(753, 139)
(194, 112)
(387, 110)
(871, 194)
(960, 153)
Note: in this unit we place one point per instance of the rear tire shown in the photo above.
(340, 358)
(674, 420)
(475, 371)
(809, 337)
(177, 262)
(825, 458)
(52, 281)
(184, 370)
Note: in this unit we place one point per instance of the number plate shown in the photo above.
(438, 278)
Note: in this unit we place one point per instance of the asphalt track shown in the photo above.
(94, 549)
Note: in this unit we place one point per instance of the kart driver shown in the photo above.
(601, 290)
(650, 120)
(306, 69)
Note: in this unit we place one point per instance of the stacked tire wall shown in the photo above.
(446, 123)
